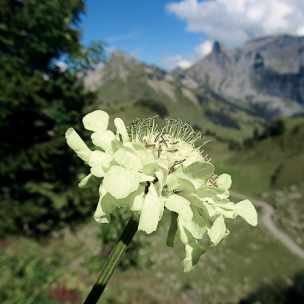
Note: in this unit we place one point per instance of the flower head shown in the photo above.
(151, 167)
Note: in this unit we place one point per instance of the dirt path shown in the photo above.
(267, 220)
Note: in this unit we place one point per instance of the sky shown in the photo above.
(171, 33)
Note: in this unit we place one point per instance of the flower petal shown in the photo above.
(144, 177)
(218, 230)
(193, 253)
(138, 201)
(96, 121)
(99, 158)
(192, 247)
(104, 140)
(247, 211)
(75, 142)
(161, 176)
(179, 205)
(197, 226)
(121, 129)
(224, 181)
(128, 159)
(98, 171)
(200, 170)
(105, 206)
(177, 182)
(84, 181)
(99, 162)
(151, 211)
(120, 182)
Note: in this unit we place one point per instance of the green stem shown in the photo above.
(112, 262)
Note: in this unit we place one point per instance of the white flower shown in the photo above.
(150, 168)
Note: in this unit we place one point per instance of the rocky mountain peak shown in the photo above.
(265, 73)
(216, 48)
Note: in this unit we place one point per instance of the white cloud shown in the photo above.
(185, 62)
(176, 61)
(235, 21)
(203, 49)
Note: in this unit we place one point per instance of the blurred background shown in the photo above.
(233, 69)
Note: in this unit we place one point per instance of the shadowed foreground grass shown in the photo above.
(62, 269)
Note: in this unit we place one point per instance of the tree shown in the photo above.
(38, 103)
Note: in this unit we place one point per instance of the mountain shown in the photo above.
(132, 89)
(266, 74)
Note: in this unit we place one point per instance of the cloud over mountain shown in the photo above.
(236, 21)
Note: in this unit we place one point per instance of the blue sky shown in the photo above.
(143, 28)
(173, 33)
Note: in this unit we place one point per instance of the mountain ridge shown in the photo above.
(133, 89)
(266, 73)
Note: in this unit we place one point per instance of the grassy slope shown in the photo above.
(225, 274)
(253, 167)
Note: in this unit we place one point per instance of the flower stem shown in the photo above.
(112, 262)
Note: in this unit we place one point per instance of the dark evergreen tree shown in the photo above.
(39, 101)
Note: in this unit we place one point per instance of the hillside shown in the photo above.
(269, 162)
(132, 89)
(265, 74)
